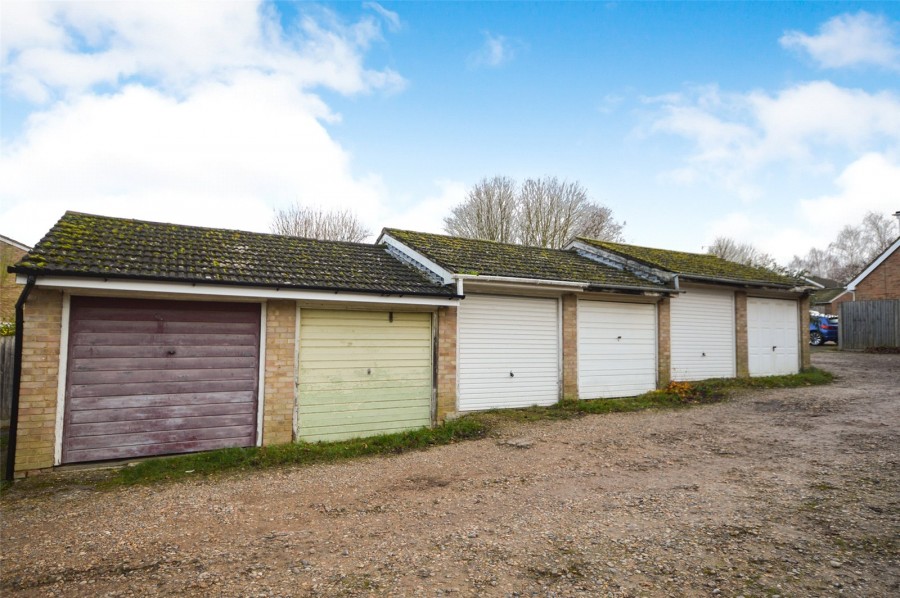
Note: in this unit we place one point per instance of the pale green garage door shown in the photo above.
(363, 373)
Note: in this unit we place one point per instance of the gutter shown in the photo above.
(587, 286)
(217, 281)
(755, 283)
(622, 287)
(17, 375)
(514, 280)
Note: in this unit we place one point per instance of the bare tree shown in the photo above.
(549, 211)
(881, 231)
(817, 262)
(318, 223)
(742, 253)
(597, 223)
(851, 250)
(490, 212)
(733, 251)
(544, 212)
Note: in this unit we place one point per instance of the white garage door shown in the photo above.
(508, 352)
(772, 336)
(616, 349)
(702, 337)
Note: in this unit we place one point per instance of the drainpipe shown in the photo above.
(17, 374)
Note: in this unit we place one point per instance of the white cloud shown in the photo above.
(215, 123)
(496, 51)
(869, 184)
(428, 215)
(734, 136)
(849, 40)
(63, 48)
(225, 156)
(390, 17)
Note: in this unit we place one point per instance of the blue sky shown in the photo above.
(774, 123)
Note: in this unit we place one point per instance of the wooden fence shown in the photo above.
(7, 350)
(865, 324)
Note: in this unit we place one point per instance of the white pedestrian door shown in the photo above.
(772, 336)
(616, 349)
(508, 352)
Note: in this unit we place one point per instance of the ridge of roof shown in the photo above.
(481, 257)
(14, 243)
(876, 261)
(88, 245)
(701, 266)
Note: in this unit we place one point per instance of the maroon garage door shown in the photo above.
(158, 377)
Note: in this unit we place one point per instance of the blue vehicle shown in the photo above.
(822, 329)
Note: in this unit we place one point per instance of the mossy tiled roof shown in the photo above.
(490, 258)
(100, 246)
(701, 266)
(825, 296)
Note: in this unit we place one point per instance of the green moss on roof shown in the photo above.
(490, 258)
(825, 296)
(100, 246)
(698, 265)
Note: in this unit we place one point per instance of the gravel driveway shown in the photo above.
(782, 492)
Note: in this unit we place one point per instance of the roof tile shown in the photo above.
(490, 258)
(101, 246)
(694, 265)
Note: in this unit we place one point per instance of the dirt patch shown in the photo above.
(783, 492)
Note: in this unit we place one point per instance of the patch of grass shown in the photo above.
(676, 395)
(300, 453)
(808, 377)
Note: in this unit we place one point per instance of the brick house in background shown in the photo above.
(10, 252)
(880, 279)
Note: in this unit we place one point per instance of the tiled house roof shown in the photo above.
(100, 246)
(700, 266)
(825, 296)
(490, 258)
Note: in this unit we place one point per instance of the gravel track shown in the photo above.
(778, 492)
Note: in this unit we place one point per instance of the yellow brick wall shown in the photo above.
(664, 343)
(803, 321)
(9, 290)
(278, 410)
(446, 362)
(570, 347)
(741, 348)
(40, 374)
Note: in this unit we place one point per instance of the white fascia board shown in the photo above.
(878, 261)
(813, 283)
(445, 275)
(217, 290)
(14, 243)
(523, 281)
(620, 262)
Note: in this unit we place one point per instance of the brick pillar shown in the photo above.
(664, 343)
(40, 376)
(446, 362)
(741, 348)
(803, 332)
(278, 412)
(570, 347)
